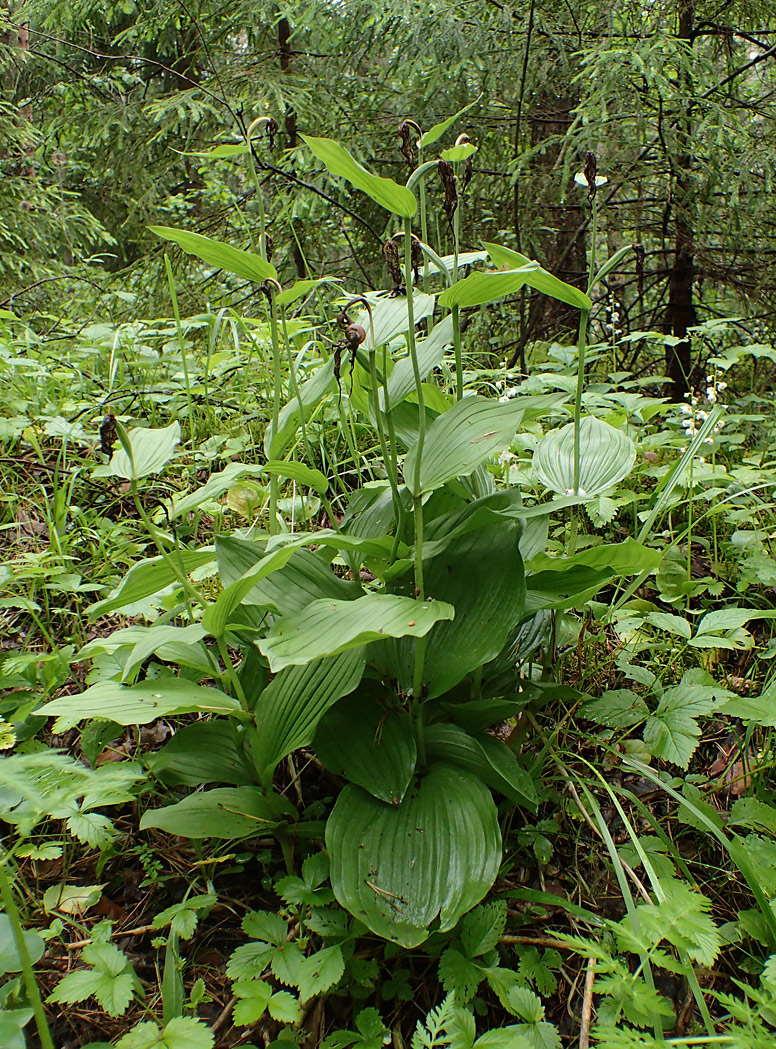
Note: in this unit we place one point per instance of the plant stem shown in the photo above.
(295, 385)
(179, 326)
(584, 317)
(276, 380)
(456, 317)
(581, 346)
(394, 458)
(30, 983)
(417, 499)
(390, 465)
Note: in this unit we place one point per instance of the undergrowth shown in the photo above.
(398, 698)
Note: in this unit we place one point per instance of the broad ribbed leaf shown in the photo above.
(217, 616)
(380, 751)
(303, 287)
(455, 154)
(460, 439)
(226, 812)
(485, 756)
(396, 868)
(390, 317)
(151, 451)
(290, 707)
(216, 485)
(606, 456)
(479, 288)
(430, 352)
(298, 472)
(384, 191)
(328, 627)
(310, 392)
(215, 253)
(541, 279)
(481, 575)
(147, 578)
(205, 752)
(439, 129)
(140, 704)
(305, 578)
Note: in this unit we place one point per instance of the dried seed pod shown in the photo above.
(638, 251)
(589, 171)
(272, 130)
(450, 186)
(391, 256)
(108, 434)
(406, 143)
(416, 257)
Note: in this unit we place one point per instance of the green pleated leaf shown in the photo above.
(216, 485)
(486, 615)
(205, 752)
(303, 287)
(223, 152)
(460, 439)
(479, 288)
(288, 710)
(455, 154)
(606, 456)
(430, 352)
(147, 578)
(328, 627)
(390, 317)
(613, 262)
(398, 868)
(380, 754)
(142, 703)
(439, 129)
(215, 253)
(305, 578)
(226, 812)
(540, 279)
(300, 473)
(485, 756)
(290, 418)
(217, 616)
(384, 191)
(152, 449)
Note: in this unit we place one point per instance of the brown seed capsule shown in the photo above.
(108, 434)
(450, 186)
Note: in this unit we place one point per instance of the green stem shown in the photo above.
(276, 380)
(414, 352)
(394, 457)
(456, 317)
(30, 983)
(179, 326)
(584, 316)
(424, 228)
(190, 591)
(295, 385)
(389, 463)
(416, 712)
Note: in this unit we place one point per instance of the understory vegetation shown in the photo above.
(386, 637)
